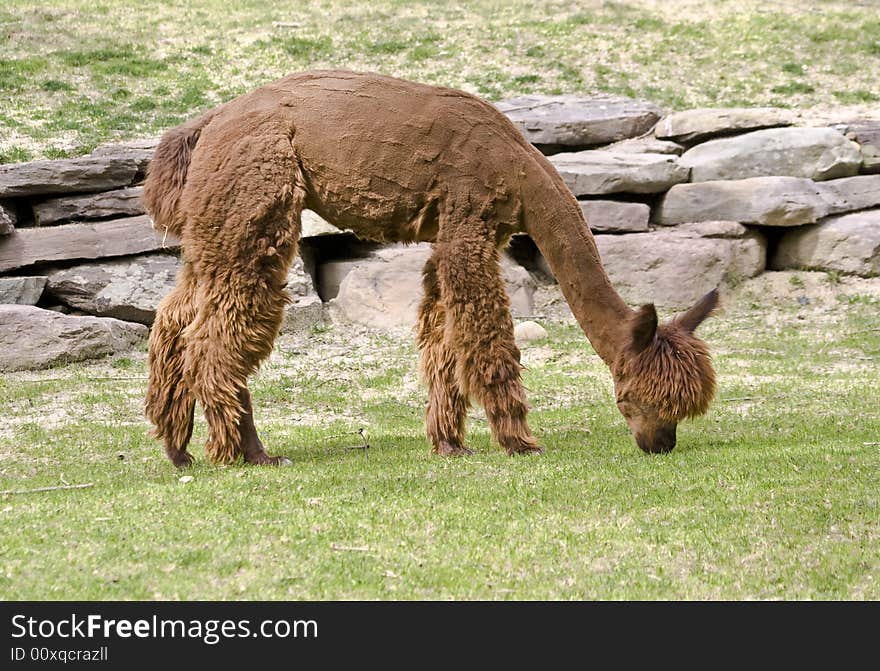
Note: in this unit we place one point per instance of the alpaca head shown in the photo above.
(664, 374)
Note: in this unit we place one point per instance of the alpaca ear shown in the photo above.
(644, 327)
(691, 319)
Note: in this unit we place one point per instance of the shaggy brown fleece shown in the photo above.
(393, 161)
(679, 362)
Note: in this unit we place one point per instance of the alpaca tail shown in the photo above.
(166, 175)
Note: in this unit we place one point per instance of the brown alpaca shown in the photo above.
(393, 161)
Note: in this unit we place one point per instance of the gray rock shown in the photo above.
(116, 203)
(7, 218)
(768, 201)
(383, 290)
(596, 172)
(21, 290)
(748, 248)
(303, 314)
(851, 194)
(520, 287)
(331, 273)
(32, 338)
(73, 175)
(124, 148)
(611, 216)
(864, 131)
(116, 237)
(870, 159)
(299, 281)
(714, 229)
(528, 331)
(645, 145)
(306, 308)
(816, 153)
(700, 124)
(140, 151)
(314, 226)
(579, 122)
(129, 289)
(848, 243)
(674, 268)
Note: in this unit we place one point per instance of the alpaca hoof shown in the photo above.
(525, 449)
(266, 460)
(181, 459)
(445, 449)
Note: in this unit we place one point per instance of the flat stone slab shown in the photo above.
(383, 290)
(129, 289)
(123, 148)
(848, 243)
(870, 159)
(701, 124)
(768, 201)
(314, 226)
(645, 145)
(611, 216)
(576, 121)
(22, 290)
(32, 338)
(73, 175)
(116, 237)
(140, 151)
(675, 267)
(866, 133)
(117, 203)
(714, 229)
(597, 172)
(816, 153)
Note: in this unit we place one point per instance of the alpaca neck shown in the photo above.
(555, 222)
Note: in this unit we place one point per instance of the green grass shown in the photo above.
(772, 495)
(64, 63)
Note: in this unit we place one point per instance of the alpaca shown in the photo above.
(391, 160)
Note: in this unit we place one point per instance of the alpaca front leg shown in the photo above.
(487, 364)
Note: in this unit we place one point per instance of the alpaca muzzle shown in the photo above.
(660, 441)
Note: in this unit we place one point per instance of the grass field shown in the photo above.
(772, 495)
(76, 73)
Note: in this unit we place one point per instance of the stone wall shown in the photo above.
(679, 203)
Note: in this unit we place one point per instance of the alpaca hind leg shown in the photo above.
(487, 358)
(447, 406)
(169, 402)
(243, 195)
(250, 445)
(241, 307)
(234, 331)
